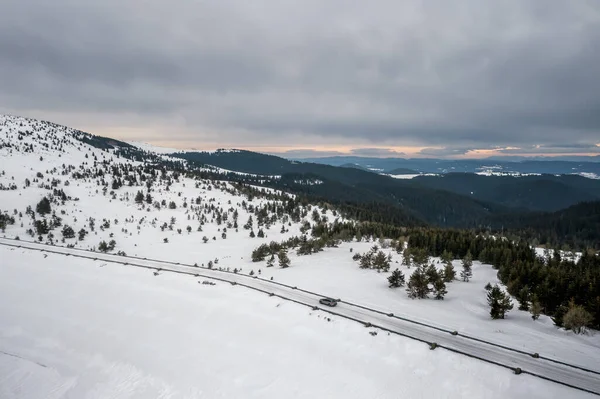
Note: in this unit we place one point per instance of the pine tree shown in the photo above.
(406, 258)
(68, 232)
(417, 284)
(432, 273)
(419, 256)
(81, 234)
(103, 246)
(284, 261)
(271, 261)
(523, 298)
(381, 262)
(43, 207)
(499, 302)
(446, 257)
(467, 263)
(139, 197)
(449, 273)
(536, 308)
(439, 288)
(396, 279)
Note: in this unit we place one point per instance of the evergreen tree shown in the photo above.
(559, 315)
(81, 234)
(523, 298)
(103, 246)
(499, 302)
(536, 308)
(271, 261)
(446, 257)
(432, 273)
(148, 198)
(139, 197)
(43, 207)
(68, 232)
(449, 273)
(417, 284)
(439, 288)
(381, 262)
(406, 258)
(419, 256)
(396, 279)
(467, 263)
(284, 261)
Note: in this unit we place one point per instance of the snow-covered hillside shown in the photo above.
(72, 329)
(104, 332)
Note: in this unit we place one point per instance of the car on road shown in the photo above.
(328, 302)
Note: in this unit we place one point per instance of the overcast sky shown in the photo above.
(384, 78)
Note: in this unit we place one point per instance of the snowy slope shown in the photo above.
(73, 329)
(152, 229)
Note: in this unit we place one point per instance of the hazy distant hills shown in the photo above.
(505, 165)
(452, 199)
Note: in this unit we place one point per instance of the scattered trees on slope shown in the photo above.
(500, 303)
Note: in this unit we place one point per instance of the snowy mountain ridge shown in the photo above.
(98, 199)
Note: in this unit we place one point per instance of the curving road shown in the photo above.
(569, 375)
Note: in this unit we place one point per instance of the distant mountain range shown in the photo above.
(449, 200)
(507, 165)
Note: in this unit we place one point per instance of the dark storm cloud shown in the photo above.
(461, 76)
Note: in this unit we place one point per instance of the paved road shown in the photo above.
(567, 375)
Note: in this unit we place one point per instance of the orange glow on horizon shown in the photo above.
(156, 138)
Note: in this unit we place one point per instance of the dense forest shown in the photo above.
(553, 280)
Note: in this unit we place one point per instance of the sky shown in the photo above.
(467, 78)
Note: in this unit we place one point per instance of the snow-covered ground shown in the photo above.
(73, 328)
(409, 176)
(102, 329)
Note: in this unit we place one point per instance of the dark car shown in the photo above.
(328, 302)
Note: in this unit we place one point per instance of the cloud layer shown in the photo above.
(438, 75)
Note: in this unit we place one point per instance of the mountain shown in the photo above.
(537, 193)
(161, 263)
(589, 166)
(576, 226)
(453, 199)
(450, 200)
(401, 171)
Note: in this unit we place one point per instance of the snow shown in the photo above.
(409, 176)
(226, 171)
(75, 328)
(69, 328)
(589, 175)
(406, 176)
(464, 308)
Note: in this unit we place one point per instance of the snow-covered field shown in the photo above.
(71, 329)
(74, 328)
